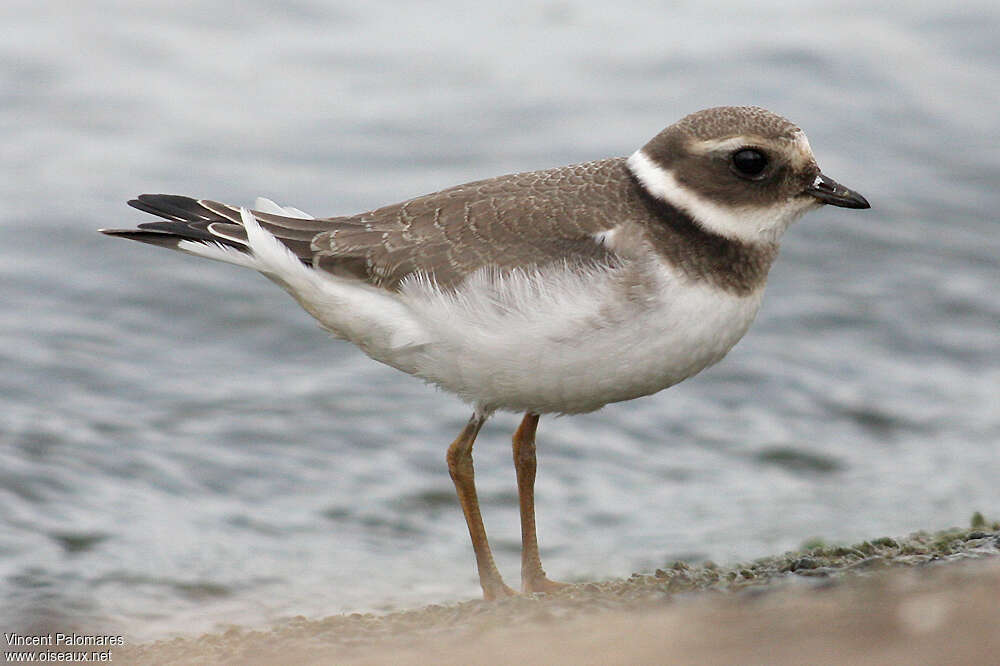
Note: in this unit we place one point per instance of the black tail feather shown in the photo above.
(173, 207)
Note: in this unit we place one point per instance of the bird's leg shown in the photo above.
(533, 578)
(462, 473)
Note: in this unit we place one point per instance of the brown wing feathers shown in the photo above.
(521, 220)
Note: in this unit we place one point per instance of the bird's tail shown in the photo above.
(216, 230)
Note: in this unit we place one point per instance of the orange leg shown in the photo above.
(533, 578)
(462, 473)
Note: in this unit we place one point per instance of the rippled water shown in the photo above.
(183, 447)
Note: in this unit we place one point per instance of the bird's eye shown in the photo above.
(749, 162)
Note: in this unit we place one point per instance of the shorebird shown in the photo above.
(555, 291)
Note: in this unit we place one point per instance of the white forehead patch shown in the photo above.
(803, 148)
(750, 224)
(803, 141)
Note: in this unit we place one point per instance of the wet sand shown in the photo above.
(924, 599)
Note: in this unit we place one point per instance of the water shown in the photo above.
(184, 448)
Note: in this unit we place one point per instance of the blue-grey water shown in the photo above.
(182, 447)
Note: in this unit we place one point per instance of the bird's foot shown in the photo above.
(541, 583)
(497, 590)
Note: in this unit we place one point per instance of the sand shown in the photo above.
(924, 599)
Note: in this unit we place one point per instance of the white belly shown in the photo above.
(570, 342)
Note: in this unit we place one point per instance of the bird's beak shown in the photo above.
(830, 191)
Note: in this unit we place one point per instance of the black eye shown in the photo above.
(749, 162)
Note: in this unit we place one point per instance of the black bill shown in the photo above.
(830, 191)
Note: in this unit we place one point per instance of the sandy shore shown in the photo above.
(924, 599)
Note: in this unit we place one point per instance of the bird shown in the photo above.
(556, 291)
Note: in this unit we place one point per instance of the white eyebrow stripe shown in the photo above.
(726, 145)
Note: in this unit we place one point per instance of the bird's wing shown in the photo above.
(525, 220)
